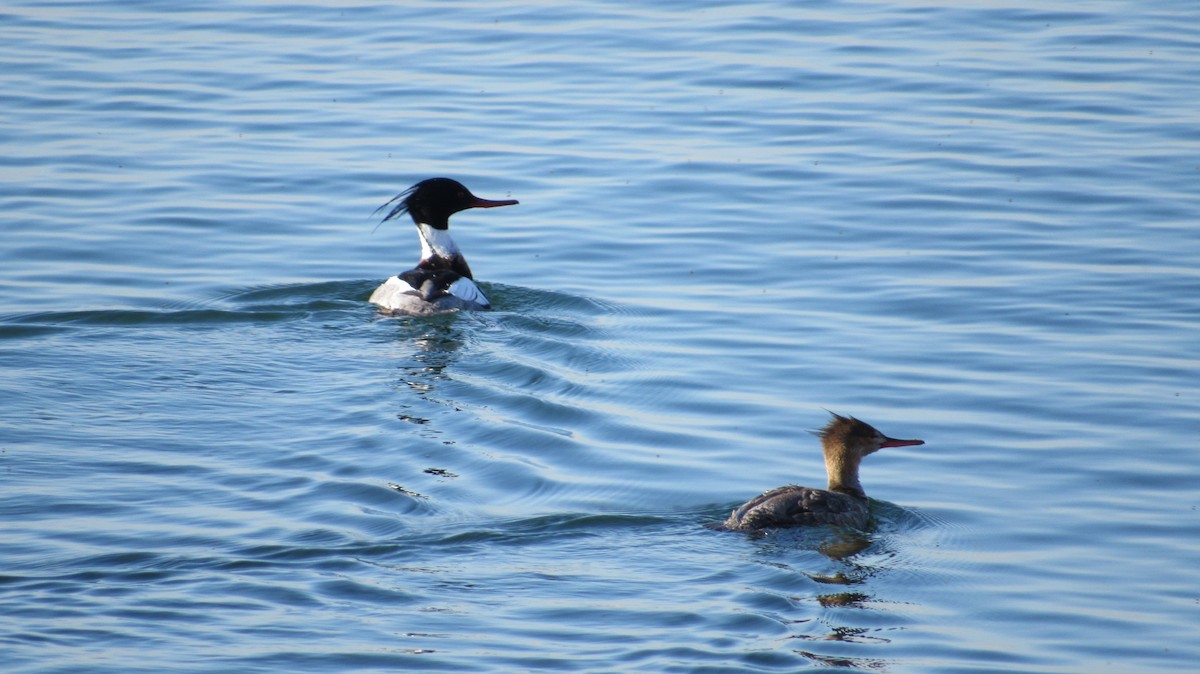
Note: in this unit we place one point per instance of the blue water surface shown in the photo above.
(973, 223)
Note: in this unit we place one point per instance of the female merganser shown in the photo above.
(441, 281)
(846, 441)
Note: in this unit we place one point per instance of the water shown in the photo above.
(974, 224)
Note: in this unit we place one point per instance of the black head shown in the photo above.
(434, 200)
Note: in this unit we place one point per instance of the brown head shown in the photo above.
(846, 441)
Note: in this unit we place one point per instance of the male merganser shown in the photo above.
(441, 281)
(846, 441)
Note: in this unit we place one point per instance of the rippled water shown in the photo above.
(974, 223)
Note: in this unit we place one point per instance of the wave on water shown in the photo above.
(294, 301)
(267, 304)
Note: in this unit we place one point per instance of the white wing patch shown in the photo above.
(466, 290)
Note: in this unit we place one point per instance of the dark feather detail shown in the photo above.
(430, 283)
(400, 208)
(800, 506)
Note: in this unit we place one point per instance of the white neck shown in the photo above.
(436, 242)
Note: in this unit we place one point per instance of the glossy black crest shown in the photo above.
(434, 200)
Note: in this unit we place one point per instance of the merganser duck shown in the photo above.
(441, 281)
(846, 441)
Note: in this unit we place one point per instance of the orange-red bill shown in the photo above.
(893, 442)
(489, 203)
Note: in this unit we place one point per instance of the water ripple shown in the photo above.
(968, 223)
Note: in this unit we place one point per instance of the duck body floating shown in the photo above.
(845, 441)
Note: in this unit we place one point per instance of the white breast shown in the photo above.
(393, 294)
